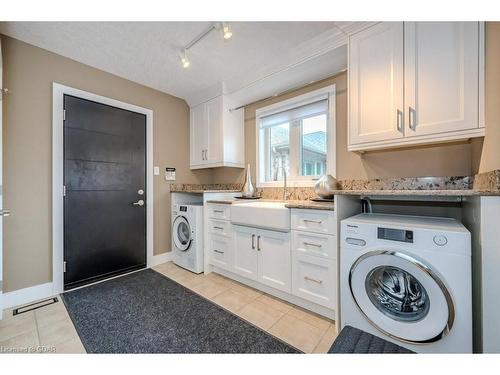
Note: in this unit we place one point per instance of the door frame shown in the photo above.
(58, 92)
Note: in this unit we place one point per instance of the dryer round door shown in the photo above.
(182, 233)
(401, 296)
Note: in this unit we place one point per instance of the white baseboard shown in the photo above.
(27, 295)
(159, 259)
(37, 292)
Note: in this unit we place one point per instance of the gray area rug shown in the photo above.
(146, 312)
(353, 340)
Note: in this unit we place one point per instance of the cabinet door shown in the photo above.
(245, 252)
(376, 84)
(214, 152)
(315, 279)
(220, 251)
(275, 266)
(198, 134)
(441, 77)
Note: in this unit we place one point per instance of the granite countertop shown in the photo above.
(311, 205)
(201, 191)
(422, 192)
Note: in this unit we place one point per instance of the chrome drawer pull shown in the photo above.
(253, 241)
(218, 252)
(312, 221)
(313, 244)
(258, 243)
(219, 211)
(313, 280)
(220, 228)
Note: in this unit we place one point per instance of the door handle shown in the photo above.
(313, 280)
(313, 221)
(411, 118)
(253, 241)
(5, 212)
(399, 120)
(312, 244)
(140, 202)
(258, 243)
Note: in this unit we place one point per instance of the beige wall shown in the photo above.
(452, 159)
(27, 133)
(490, 156)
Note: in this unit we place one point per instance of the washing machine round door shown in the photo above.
(182, 233)
(401, 296)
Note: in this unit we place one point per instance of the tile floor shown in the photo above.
(50, 328)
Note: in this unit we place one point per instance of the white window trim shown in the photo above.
(327, 92)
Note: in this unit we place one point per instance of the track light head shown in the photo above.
(185, 61)
(226, 31)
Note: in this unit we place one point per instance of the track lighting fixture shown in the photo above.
(226, 34)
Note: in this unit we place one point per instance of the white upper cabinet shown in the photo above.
(415, 83)
(217, 137)
(376, 83)
(441, 76)
(198, 134)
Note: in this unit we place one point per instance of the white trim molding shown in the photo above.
(58, 92)
(27, 295)
(328, 92)
(160, 259)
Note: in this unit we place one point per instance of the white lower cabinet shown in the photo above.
(221, 251)
(314, 256)
(245, 252)
(263, 256)
(314, 279)
(299, 266)
(274, 259)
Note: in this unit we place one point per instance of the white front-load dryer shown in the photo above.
(187, 236)
(407, 279)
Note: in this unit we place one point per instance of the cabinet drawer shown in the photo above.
(316, 221)
(314, 279)
(220, 251)
(219, 227)
(219, 211)
(320, 245)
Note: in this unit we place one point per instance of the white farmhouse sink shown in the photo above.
(268, 215)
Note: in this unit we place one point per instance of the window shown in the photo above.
(296, 136)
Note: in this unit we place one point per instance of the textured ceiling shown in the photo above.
(148, 53)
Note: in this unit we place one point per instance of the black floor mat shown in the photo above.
(146, 312)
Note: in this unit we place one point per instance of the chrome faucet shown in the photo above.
(285, 188)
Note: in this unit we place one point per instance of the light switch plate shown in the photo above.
(156, 171)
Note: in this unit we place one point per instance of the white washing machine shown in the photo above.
(407, 279)
(187, 236)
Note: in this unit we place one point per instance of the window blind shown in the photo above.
(303, 111)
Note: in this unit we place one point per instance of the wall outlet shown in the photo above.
(156, 171)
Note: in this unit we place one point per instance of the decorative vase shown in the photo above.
(325, 187)
(248, 190)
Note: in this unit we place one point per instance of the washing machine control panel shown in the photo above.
(392, 234)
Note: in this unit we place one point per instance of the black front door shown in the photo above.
(104, 175)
